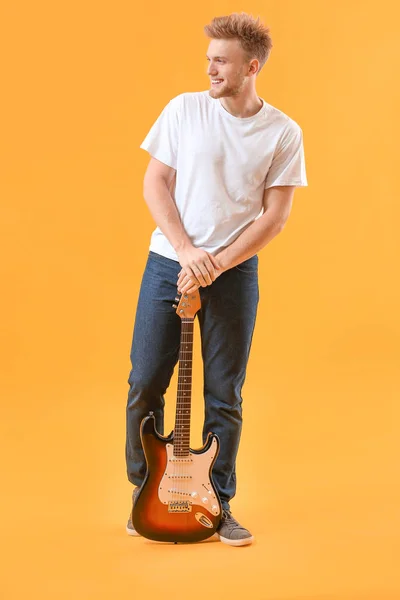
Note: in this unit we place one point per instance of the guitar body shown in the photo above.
(177, 501)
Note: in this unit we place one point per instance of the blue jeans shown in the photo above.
(226, 319)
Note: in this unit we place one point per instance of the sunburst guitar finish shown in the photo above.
(178, 501)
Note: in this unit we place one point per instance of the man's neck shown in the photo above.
(242, 108)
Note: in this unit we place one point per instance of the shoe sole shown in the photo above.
(243, 542)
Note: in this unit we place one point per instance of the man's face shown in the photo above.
(226, 61)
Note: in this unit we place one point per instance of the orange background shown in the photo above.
(318, 469)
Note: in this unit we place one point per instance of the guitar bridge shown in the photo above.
(179, 506)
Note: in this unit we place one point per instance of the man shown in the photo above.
(220, 186)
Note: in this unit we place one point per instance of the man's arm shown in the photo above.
(157, 185)
(277, 203)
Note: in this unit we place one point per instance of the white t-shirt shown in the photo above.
(223, 165)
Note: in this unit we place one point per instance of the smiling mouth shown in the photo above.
(217, 82)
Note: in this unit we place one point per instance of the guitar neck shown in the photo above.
(184, 395)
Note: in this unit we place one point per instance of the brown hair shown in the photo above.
(253, 36)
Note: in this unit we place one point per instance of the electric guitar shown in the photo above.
(178, 501)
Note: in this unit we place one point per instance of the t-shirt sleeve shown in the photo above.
(162, 139)
(288, 164)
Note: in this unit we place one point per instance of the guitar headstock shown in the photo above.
(188, 305)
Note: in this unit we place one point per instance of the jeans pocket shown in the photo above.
(248, 266)
(162, 259)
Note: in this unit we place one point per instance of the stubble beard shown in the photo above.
(227, 91)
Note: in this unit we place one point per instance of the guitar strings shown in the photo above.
(189, 341)
(181, 470)
(177, 470)
(188, 469)
(183, 440)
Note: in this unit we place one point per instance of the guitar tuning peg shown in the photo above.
(174, 306)
(176, 299)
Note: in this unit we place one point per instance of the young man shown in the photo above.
(220, 186)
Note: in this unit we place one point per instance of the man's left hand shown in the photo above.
(188, 285)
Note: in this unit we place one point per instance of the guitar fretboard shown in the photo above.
(184, 395)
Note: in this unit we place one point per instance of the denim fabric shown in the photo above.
(227, 318)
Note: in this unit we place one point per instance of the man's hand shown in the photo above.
(199, 269)
(185, 284)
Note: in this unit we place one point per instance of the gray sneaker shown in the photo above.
(130, 530)
(231, 532)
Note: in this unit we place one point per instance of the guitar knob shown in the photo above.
(214, 508)
(194, 494)
(205, 500)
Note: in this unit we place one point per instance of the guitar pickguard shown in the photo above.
(185, 485)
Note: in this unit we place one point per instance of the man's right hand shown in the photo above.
(199, 265)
